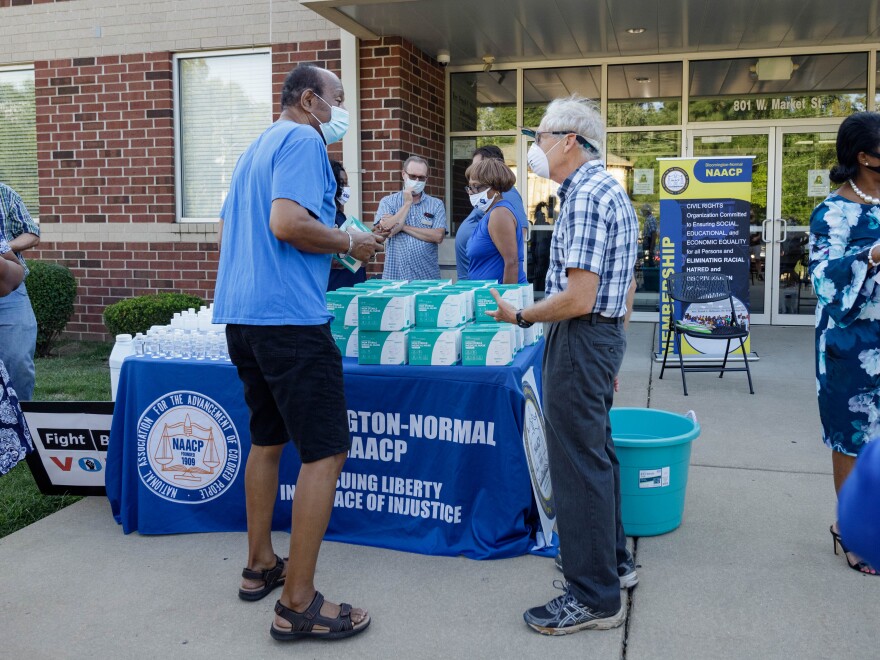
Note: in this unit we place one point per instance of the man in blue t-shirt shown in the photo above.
(278, 235)
(466, 228)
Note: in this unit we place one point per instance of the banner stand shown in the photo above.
(705, 217)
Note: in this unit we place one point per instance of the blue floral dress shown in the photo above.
(847, 328)
(15, 439)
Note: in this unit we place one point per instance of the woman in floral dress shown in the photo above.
(15, 440)
(845, 270)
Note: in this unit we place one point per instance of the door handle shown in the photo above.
(764, 238)
(784, 234)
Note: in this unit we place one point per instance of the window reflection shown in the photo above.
(483, 101)
(632, 160)
(644, 94)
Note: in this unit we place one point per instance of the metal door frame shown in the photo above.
(770, 265)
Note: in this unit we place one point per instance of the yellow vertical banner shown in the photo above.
(705, 206)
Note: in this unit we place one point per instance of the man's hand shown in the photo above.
(387, 226)
(506, 313)
(365, 244)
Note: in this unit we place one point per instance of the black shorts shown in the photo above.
(292, 376)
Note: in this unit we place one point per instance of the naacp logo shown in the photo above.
(674, 180)
(188, 449)
(536, 450)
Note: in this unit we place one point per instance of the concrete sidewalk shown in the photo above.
(750, 573)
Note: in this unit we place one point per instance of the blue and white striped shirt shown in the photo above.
(15, 219)
(597, 230)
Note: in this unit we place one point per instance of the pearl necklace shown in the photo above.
(875, 201)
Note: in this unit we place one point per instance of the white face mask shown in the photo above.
(344, 195)
(481, 202)
(334, 130)
(538, 161)
(414, 185)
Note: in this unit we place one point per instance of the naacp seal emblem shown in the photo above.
(188, 449)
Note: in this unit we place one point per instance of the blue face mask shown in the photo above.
(335, 129)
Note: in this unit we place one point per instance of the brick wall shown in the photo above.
(402, 115)
(108, 272)
(105, 140)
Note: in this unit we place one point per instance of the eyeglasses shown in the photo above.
(536, 135)
(416, 178)
(473, 190)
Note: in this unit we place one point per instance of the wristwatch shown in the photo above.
(520, 321)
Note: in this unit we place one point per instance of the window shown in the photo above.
(224, 102)
(645, 94)
(795, 87)
(462, 150)
(540, 86)
(483, 101)
(18, 135)
(632, 160)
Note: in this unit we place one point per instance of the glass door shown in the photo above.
(804, 158)
(760, 143)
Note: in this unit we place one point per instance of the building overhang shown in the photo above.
(513, 31)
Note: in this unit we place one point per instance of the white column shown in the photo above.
(351, 145)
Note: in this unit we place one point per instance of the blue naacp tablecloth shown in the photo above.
(437, 463)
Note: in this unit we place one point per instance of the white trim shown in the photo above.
(351, 146)
(7, 68)
(175, 78)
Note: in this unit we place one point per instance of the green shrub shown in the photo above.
(138, 314)
(52, 290)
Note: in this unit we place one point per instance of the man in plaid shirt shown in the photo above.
(592, 255)
(413, 224)
(18, 326)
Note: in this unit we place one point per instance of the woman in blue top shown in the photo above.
(496, 248)
(340, 276)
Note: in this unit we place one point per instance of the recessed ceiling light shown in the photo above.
(636, 30)
(643, 79)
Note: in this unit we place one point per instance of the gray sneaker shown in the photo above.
(627, 581)
(565, 614)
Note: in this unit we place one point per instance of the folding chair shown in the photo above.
(690, 288)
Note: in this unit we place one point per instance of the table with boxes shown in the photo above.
(437, 463)
(428, 323)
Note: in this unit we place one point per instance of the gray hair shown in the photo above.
(415, 159)
(579, 115)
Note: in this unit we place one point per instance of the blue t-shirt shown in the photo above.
(859, 503)
(486, 262)
(262, 280)
(466, 230)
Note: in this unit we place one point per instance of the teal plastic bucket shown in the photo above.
(654, 450)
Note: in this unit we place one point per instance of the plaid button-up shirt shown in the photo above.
(597, 230)
(15, 219)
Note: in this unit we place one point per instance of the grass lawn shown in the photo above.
(78, 371)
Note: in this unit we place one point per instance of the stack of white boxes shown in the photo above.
(428, 322)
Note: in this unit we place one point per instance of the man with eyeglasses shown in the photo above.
(467, 226)
(413, 224)
(592, 255)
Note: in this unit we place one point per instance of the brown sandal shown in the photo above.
(271, 578)
(303, 623)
